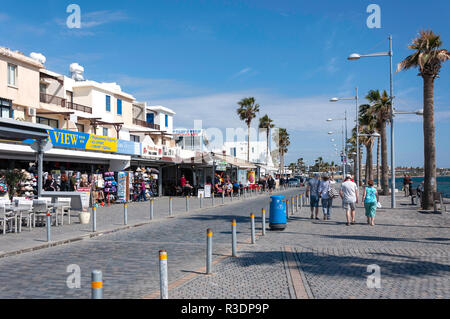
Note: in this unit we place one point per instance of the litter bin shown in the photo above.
(277, 218)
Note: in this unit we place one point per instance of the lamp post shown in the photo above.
(345, 141)
(390, 54)
(344, 151)
(336, 99)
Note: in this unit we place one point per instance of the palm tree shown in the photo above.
(381, 108)
(428, 57)
(301, 164)
(368, 124)
(266, 123)
(247, 112)
(283, 143)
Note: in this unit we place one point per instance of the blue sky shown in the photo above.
(201, 57)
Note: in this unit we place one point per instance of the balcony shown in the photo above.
(145, 124)
(51, 99)
(79, 107)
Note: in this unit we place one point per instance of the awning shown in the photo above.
(13, 130)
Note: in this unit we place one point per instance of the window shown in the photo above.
(253, 150)
(12, 74)
(135, 138)
(105, 131)
(43, 88)
(119, 107)
(6, 109)
(108, 103)
(151, 118)
(80, 128)
(167, 120)
(46, 121)
(233, 151)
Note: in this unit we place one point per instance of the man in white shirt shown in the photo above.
(350, 197)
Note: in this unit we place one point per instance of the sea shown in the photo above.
(443, 184)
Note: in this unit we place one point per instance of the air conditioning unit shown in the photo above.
(31, 112)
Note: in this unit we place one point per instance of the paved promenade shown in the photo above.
(310, 259)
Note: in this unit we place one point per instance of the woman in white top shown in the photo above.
(327, 201)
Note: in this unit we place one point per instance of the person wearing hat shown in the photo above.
(312, 190)
(349, 195)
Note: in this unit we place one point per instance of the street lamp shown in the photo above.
(344, 150)
(390, 54)
(336, 99)
(346, 138)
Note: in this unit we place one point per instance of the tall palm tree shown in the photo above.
(283, 143)
(381, 106)
(247, 112)
(368, 124)
(266, 123)
(428, 57)
(301, 164)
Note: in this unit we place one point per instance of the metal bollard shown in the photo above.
(163, 276)
(239, 193)
(252, 219)
(292, 206)
(125, 214)
(212, 199)
(233, 238)
(187, 203)
(201, 201)
(301, 202)
(94, 219)
(96, 284)
(287, 208)
(152, 202)
(170, 206)
(49, 226)
(209, 237)
(263, 222)
(223, 198)
(231, 196)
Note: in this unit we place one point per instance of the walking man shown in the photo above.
(350, 197)
(312, 190)
(327, 201)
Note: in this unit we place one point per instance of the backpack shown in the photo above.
(333, 193)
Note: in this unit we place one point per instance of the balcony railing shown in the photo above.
(51, 99)
(79, 107)
(145, 124)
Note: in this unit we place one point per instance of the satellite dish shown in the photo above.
(45, 145)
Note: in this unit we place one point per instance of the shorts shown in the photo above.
(314, 201)
(349, 205)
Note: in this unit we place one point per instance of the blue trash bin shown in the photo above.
(277, 218)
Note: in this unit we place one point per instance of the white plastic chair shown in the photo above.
(5, 218)
(64, 210)
(25, 207)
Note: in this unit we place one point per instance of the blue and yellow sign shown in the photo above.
(84, 141)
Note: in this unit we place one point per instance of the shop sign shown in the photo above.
(242, 176)
(121, 186)
(84, 141)
(85, 193)
(251, 177)
(180, 132)
(128, 148)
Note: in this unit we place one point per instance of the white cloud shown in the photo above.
(241, 72)
(96, 18)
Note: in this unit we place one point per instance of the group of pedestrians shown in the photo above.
(323, 190)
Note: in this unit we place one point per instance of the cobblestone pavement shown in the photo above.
(410, 247)
(108, 219)
(129, 258)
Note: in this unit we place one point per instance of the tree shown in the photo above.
(247, 112)
(368, 123)
(301, 164)
(428, 57)
(283, 143)
(266, 123)
(380, 108)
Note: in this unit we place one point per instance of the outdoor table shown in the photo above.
(11, 210)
